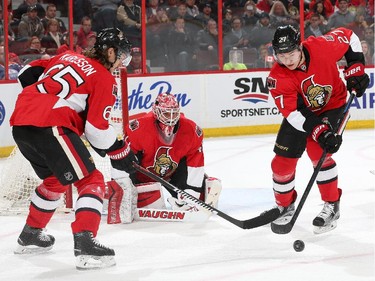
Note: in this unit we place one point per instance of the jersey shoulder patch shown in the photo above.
(134, 125)
(271, 83)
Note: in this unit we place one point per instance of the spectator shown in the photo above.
(135, 66)
(205, 15)
(265, 58)
(84, 32)
(315, 27)
(51, 14)
(171, 7)
(23, 9)
(206, 48)
(30, 24)
(235, 61)
(14, 65)
(237, 37)
(323, 9)
(53, 38)
(264, 5)
(207, 38)
(191, 8)
(369, 37)
(227, 19)
(180, 47)
(65, 46)
(91, 39)
(157, 33)
(191, 23)
(11, 35)
(342, 17)
(129, 17)
(279, 15)
(366, 52)
(249, 16)
(34, 51)
(151, 9)
(104, 14)
(81, 9)
(359, 26)
(263, 31)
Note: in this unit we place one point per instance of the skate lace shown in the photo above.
(43, 236)
(97, 243)
(328, 210)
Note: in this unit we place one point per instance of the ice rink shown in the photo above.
(218, 250)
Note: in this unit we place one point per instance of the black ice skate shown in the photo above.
(286, 214)
(34, 240)
(90, 253)
(327, 218)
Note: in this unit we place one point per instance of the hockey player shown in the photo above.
(308, 91)
(64, 97)
(173, 151)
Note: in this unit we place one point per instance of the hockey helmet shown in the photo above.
(113, 37)
(167, 112)
(166, 109)
(286, 39)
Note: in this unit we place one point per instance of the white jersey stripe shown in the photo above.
(68, 152)
(44, 204)
(89, 202)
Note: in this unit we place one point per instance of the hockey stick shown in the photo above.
(264, 218)
(340, 126)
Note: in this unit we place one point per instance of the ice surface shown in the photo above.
(217, 250)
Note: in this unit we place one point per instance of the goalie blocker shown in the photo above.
(145, 202)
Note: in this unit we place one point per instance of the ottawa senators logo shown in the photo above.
(163, 163)
(317, 96)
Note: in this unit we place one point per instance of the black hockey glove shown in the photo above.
(123, 158)
(326, 138)
(356, 78)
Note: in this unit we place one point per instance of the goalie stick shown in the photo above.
(340, 126)
(264, 218)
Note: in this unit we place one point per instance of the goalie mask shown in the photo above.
(286, 39)
(113, 37)
(167, 113)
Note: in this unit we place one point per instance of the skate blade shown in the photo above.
(87, 262)
(326, 228)
(32, 249)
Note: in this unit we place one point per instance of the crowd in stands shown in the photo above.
(182, 35)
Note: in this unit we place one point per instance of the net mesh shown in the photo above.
(18, 179)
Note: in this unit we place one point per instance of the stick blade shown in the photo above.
(263, 219)
(282, 229)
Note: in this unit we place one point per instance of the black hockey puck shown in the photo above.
(299, 245)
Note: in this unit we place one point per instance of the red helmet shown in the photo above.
(166, 109)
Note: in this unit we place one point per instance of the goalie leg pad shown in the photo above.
(122, 201)
(150, 196)
(212, 191)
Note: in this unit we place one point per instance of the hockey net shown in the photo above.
(18, 179)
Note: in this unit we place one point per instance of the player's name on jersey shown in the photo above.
(81, 62)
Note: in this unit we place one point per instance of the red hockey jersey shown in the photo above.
(317, 81)
(75, 92)
(163, 159)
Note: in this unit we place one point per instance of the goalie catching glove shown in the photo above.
(356, 78)
(123, 157)
(327, 139)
